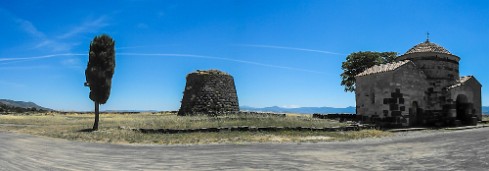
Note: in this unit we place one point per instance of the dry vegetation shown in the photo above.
(68, 126)
(485, 118)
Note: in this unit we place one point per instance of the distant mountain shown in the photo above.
(129, 111)
(22, 104)
(303, 110)
(311, 110)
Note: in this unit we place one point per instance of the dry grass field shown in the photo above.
(113, 128)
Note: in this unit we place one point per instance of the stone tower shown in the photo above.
(439, 65)
(209, 92)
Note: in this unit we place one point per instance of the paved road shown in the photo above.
(457, 150)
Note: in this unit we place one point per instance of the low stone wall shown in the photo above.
(337, 116)
(252, 129)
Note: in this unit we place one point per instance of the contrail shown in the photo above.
(144, 46)
(289, 48)
(251, 45)
(15, 60)
(41, 57)
(219, 58)
(4, 61)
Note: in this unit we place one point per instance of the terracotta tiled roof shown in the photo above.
(461, 82)
(383, 68)
(427, 46)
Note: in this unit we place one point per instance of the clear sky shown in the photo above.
(281, 53)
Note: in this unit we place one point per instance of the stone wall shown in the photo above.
(426, 91)
(407, 97)
(392, 96)
(445, 72)
(471, 90)
(209, 92)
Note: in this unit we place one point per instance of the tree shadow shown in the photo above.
(86, 130)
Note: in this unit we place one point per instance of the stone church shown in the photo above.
(421, 88)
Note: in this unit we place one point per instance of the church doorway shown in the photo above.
(414, 116)
(464, 109)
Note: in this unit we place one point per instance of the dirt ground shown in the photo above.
(426, 150)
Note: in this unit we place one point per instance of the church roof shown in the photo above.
(383, 68)
(461, 81)
(427, 46)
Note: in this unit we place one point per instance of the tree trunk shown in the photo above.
(95, 125)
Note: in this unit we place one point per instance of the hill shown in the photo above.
(7, 105)
(303, 110)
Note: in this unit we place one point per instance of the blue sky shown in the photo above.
(281, 53)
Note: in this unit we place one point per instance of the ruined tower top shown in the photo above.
(209, 72)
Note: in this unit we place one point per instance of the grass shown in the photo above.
(68, 126)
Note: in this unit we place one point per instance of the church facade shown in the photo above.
(421, 88)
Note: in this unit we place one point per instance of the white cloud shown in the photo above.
(42, 40)
(142, 26)
(291, 106)
(55, 46)
(28, 27)
(72, 62)
(12, 84)
(161, 14)
(86, 27)
(59, 43)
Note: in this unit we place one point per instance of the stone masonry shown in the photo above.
(210, 92)
(421, 88)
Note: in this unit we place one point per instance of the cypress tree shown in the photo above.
(99, 72)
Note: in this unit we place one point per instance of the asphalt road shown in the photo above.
(455, 150)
